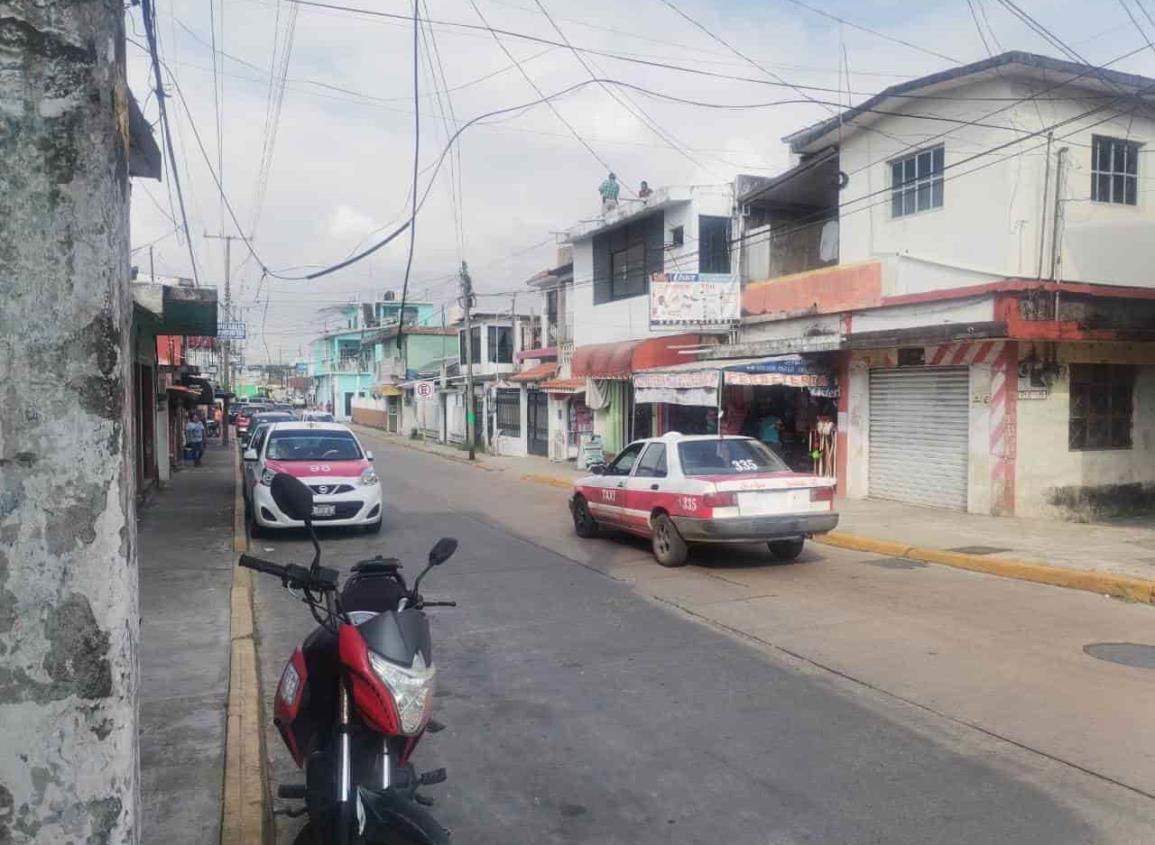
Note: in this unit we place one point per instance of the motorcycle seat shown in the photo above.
(377, 565)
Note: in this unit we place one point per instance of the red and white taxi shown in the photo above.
(329, 458)
(681, 489)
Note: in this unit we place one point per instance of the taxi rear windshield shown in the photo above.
(727, 457)
(312, 446)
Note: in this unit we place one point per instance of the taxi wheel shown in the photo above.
(786, 550)
(669, 547)
(584, 524)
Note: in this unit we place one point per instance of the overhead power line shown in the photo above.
(148, 12)
(525, 75)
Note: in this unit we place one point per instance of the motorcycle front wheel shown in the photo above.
(309, 836)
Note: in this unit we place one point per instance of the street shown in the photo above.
(591, 695)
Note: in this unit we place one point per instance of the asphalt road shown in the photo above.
(582, 709)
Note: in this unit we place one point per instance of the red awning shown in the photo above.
(541, 371)
(619, 360)
(564, 385)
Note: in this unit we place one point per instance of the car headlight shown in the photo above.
(369, 477)
(412, 689)
(267, 477)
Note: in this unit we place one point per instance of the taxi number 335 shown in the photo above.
(688, 503)
(744, 465)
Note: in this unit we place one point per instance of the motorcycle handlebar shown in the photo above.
(294, 575)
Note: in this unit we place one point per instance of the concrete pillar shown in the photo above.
(68, 578)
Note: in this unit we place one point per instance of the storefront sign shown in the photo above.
(231, 330)
(694, 299)
(1034, 393)
(697, 378)
(592, 451)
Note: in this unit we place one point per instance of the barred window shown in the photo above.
(1114, 170)
(509, 412)
(1101, 406)
(916, 182)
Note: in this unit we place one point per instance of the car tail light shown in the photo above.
(720, 500)
(822, 494)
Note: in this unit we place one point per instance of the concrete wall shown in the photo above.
(1046, 464)
(69, 611)
(628, 319)
(992, 217)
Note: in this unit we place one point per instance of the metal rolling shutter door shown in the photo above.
(918, 435)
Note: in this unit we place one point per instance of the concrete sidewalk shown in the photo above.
(186, 562)
(1118, 559)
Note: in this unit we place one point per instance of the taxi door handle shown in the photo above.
(653, 486)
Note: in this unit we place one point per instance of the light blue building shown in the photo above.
(341, 366)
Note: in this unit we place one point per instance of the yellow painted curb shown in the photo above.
(1104, 583)
(560, 483)
(240, 538)
(245, 815)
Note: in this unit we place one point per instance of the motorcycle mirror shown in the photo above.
(293, 497)
(442, 550)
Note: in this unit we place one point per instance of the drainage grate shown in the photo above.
(1128, 654)
(978, 550)
(896, 563)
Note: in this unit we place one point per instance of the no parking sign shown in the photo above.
(424, 389)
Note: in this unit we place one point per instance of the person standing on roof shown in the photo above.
(609, 190)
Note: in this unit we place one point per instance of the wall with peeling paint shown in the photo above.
(1049, 474)
(68, 581)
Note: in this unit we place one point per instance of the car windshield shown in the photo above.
(319, 417)
(727, 457)
(272, 417)
(313, 446)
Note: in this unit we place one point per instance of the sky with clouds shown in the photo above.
(340, 156)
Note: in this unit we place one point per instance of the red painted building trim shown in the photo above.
(1017, 286)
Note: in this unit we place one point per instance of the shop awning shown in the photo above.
(696, 382)
(535, 374)
(564, 386)
(620, 360)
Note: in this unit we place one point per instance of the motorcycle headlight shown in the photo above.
(412, 689)
(369, 477)
(267, 477)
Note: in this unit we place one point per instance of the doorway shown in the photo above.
(538, 423)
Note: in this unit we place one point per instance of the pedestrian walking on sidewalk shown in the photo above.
(194, 435)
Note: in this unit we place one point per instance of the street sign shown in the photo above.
(231, 330)
(424, 389)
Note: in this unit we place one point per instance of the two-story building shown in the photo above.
(400, 356)
(616, 258)
(342, 366)
(969, 255)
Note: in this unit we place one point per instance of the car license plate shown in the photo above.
(324, 510)
(769, 502)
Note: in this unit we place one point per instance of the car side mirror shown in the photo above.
(250, 454)
(293, 497)
(442, 550)
(369, 456)
(598, 469)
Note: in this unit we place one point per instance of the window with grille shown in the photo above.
(509, 412)
(628, 272)
(1114, 170)
(916, 182)
(1101, 407)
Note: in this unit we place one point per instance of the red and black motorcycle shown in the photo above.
(356, 696)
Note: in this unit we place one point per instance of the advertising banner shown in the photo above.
(694, 300)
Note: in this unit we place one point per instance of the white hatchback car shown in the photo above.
(329, 458)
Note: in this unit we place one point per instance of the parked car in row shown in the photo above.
(678, 490)
(327, 457)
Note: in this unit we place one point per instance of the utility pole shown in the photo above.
(467, 304)
(69, 598)
(227, 345)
